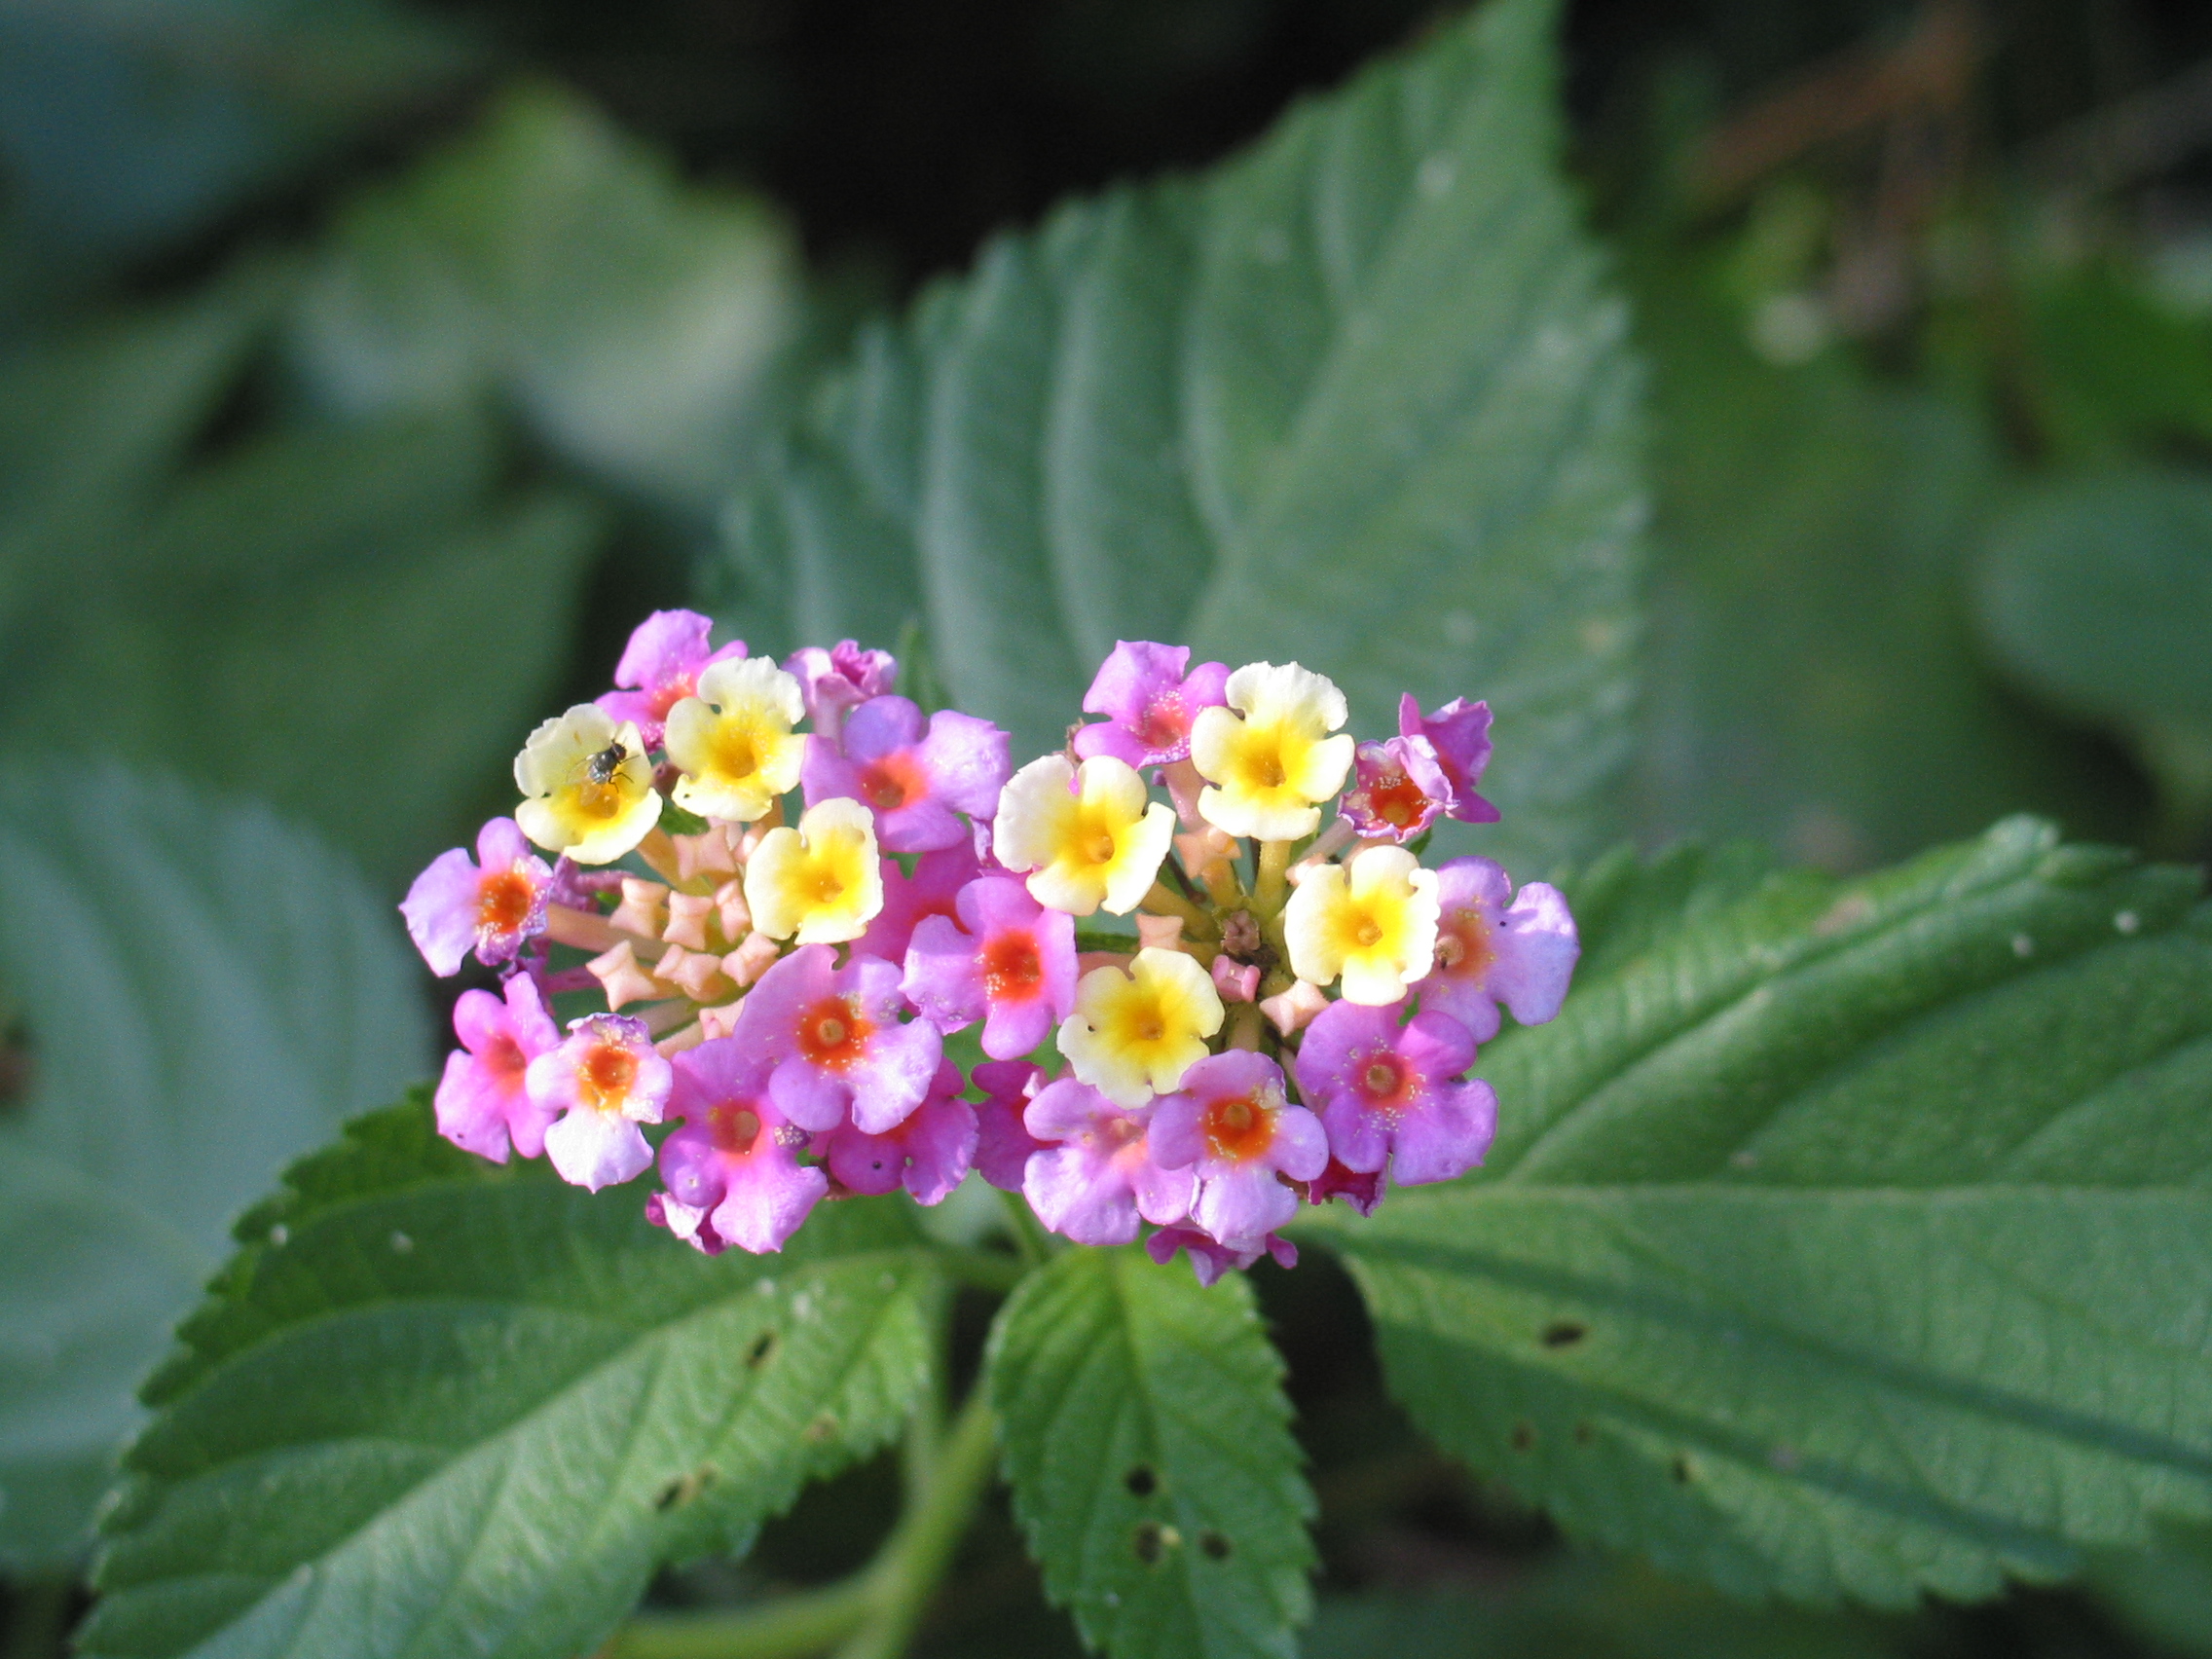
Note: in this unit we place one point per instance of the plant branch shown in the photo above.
(787, 1627)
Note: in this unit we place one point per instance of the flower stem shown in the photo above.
(1029, 1234)
(1164, 901)
(788, 1627)
(1270, 889)
(914, 1560)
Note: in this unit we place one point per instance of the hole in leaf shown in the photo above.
(1524, 1436)
(1564, 1333)
(762, 1350)
(684, 1488)
(1145, 1541)
(1216, 1546)
(1141, 1482)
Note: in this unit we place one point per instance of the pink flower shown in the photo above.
(838, 678)
(1003, 1141)
(1460, 734)
(661, 666)
(605, 1079)
(1013, 968)
(1149, 703)
(1398, 790)
(837, 1041)
(1099, 1177)
(1233, 1126)
(1387, 1092)
(916, 783)
(494, 905)
(928, 1153)
(932, 890)
(481, 1100)
(1209, 1257)
(1360, 1188)
(1492, 949)
(733, 1171)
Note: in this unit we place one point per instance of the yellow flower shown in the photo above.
(1268, 770)
(1135, 1034)
(823, 881)
(1087, 836)
(1373, 919)
(587, 786)
(733, 742)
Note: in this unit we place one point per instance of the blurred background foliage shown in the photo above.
(367, 368)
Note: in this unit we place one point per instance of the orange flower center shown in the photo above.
(832, 1034)
(607, 1075)
(1011, 967)
(1384, 1080)
(1163, 724)
(1398, 799)
(1239, 1129)
(893, 781)
(503, 901)
(1463, 946)
(734, 1128)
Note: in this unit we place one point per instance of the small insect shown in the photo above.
(603, 767)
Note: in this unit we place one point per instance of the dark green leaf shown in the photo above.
(207, 992)
(1813, 679)
(1360, 397)
(1851, 1240)
(439, 1407)
(556, 262)
(2096, 593)
(1145, 1437)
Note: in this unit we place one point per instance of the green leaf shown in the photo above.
(2097, 594)
(550, 259)
(1145, 1436)
(345, 621)
(1359, 397)
(1813, 677)
(1853, 1240)
(207, 992)
(440, 1407)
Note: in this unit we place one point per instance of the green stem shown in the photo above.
(1029, 1234)
(1164, 901)
(1272, 887)
(789, 1627)
(915, 1559)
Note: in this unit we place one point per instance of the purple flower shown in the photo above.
(1460, 734)
(1398, 789)
(661, 667)
(605, 1079)
(928, 1153)
(1003, 1141)
(1492, 949)
(732, 1171)
(932, 890)
(1099, 1178)
(494, 905)
(1149, 704)
(837, 1041)
(1233, 1126)
(481, 1100)
(1360, 1188)
(1387, 1091)
(838, 678)
(916, 783)
(1013, 968)
(1209, 1257)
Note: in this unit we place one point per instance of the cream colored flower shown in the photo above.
(1373, 919)
(1133, 1034)
(822, 882)
(1268, 758)
(734, 743)
(587, 786)
(1086, 834)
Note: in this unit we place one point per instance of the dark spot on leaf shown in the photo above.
(1216, 1546)
(1584, 1434)
(1524, 1436)
(1684, 1472)
(1564, 1333)
(762, 1350)
(821, 1428)
(684, 1488)
(1145, 1541)
(1141, 1482)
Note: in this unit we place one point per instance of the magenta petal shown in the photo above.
(471, 1108)
(940, 1146)
(1302, 1144)
(667, 645)
(1537, 946)
(1438, 1045)
(1241, 1206)
(1074, 1196)
(1149, 702)
(1447, 1137)
(868, 1164)
(893, 1080)
(932, 890)
(1174, 1133)
(1358, 1138)
(440, 909)
(1162, 1195)
(1002, 1145)
(595, 1149)
(766, 1202)
(943, 980)
(808, 1097)
(1339, 1032)
(692, 1170)
(968, 762)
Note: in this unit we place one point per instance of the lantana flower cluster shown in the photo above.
(1293, 1019)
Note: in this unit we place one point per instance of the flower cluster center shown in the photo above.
(834, 1035)
(607, 1075)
